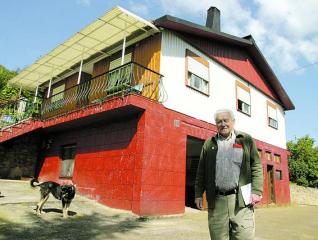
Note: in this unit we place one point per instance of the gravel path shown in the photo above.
(90, 220)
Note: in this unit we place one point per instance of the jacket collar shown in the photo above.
(238, 139)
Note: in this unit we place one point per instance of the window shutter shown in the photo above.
(198, 68)
(272, 112)
(243, 95)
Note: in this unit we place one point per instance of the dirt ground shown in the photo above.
(90, 220)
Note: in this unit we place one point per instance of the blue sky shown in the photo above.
(285, 31)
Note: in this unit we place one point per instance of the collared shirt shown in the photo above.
(228, 163)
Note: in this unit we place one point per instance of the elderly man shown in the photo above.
(229, 166)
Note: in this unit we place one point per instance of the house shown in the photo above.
(123, 107)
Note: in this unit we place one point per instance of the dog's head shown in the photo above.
(68, 191)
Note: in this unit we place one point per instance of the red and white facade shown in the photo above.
(138, 154)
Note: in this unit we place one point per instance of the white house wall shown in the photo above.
(222, 85)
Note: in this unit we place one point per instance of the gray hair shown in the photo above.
(224, 110)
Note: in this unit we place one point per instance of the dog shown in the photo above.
(65, 193)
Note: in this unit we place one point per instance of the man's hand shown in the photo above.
(199, 203)
(255, 199)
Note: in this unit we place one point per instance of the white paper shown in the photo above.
(246, 193)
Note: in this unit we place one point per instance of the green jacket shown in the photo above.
(251, 169)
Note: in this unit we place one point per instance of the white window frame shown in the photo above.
(243, 98)
(272, 115)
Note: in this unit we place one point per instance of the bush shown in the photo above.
(303, 162)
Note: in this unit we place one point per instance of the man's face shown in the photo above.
(224, 124)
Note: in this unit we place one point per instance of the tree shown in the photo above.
(303, 162)
(9, 92)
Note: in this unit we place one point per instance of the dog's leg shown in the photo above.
(41, 203)
(66, 206)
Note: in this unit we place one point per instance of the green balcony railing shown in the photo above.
(130, 78)
(126, 79)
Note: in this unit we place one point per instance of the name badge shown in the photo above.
(237, 145)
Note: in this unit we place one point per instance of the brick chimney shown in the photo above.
(213, 19)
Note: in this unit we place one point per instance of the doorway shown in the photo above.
(194, 146)
(270, 184)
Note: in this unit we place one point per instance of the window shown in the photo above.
(259, 153)
(278, 175)
(67, 164)
(277, 158)
(268, 155)
(117, 62)
(243, 97)
(272, 115)
(197, 69)
(58, 93)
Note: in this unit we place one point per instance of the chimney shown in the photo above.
(213, 19)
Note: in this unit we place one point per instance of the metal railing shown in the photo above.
(15, 111)
(126, 79)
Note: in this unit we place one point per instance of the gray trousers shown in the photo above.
(228, 222)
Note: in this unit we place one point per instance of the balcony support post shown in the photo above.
(49, 89)
(36, 93)
(80, 69)
(123, 51)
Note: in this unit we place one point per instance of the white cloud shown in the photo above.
(139, 8)
(285, 30)
(84, 3)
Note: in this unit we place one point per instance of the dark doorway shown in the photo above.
(270, 184)
(194, 146)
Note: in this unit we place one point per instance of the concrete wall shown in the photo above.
(18, 157)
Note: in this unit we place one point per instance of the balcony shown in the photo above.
(130, 78)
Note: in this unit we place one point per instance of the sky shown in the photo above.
(286, 32)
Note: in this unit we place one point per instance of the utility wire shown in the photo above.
(302, 67)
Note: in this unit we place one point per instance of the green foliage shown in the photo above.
(303, 162)
(7, 92)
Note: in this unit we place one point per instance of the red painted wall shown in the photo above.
(281, 187)
(139, 163)
(104, 163)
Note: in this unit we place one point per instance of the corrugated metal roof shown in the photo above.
(101, 34)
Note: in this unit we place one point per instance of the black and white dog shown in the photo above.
(65, 193)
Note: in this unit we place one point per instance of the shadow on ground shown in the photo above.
(93, 226)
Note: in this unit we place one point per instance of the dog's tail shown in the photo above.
(34, 182)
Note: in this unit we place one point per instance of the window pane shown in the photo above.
(67, 163)
(244, 107)
(268, 155)
(58, 93)
(198, 83)
(279, 175)
(272, 122)
(277, 158)
(117, 62)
